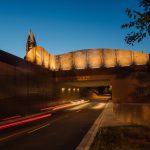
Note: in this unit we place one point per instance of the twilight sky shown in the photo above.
(65, 25)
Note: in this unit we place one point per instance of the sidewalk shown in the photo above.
(105, 119)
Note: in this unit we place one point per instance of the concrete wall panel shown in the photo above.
(30, 56)
(45, 59)
(140, 58)
(57, 60)
(39, 56)
(94, 57)
(80, 59)
(109, 57)
(52, 62)
(124, 57)
(66, 61)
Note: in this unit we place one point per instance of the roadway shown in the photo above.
(63, 130)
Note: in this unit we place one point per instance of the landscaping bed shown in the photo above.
(122, 138)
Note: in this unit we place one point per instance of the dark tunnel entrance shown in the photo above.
(97, 89)
(99, 92)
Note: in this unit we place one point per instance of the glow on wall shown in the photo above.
(94, 58)
(52, 63)
(30, 56)
(79, 59)
(140, 58)
(57, 63)
(39, 55)
(124, 57)
(45, 59)
(109, 57)
(65, 61)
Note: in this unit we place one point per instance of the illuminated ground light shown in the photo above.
(63, 89)
(69, 89)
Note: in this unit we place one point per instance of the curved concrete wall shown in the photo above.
(89, 58)
(97, 58)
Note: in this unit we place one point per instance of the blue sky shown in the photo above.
(65, 25)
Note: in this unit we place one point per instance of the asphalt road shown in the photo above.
(64, 130)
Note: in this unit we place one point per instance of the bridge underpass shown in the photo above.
(33, 87)
(100, 89)
(130, 88)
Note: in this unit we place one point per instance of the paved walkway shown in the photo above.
(105, 119)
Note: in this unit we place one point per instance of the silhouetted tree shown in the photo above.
(140, 21)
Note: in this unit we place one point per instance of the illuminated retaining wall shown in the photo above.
(97, 58)
(40, 56)
(89, 58)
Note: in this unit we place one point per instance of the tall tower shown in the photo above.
(31, 42)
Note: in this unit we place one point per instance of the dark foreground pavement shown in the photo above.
(64, 130)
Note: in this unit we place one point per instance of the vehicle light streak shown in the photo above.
(63, 106)
(24, 121)
(60, 107)
(9, 118)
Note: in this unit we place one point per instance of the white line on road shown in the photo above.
(78, 110)
(39, 128)
(79, 107)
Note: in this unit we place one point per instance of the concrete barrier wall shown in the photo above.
(137, 113)
(131, 97)
(131, 87)
(26, 88)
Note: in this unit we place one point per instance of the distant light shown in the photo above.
(69, 89)
(62, 89)
(74, 89)
(78, 89)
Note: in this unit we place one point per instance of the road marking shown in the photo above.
(10, 136)
(78, 110)
(39, 128)
(88, 139)
(15, 134)
(82, 106)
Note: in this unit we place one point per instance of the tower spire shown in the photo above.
(31, 42)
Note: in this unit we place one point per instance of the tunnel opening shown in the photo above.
(100, 92)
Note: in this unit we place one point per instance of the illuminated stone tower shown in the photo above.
(31, 42)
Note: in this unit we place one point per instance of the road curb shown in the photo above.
(88, 139)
